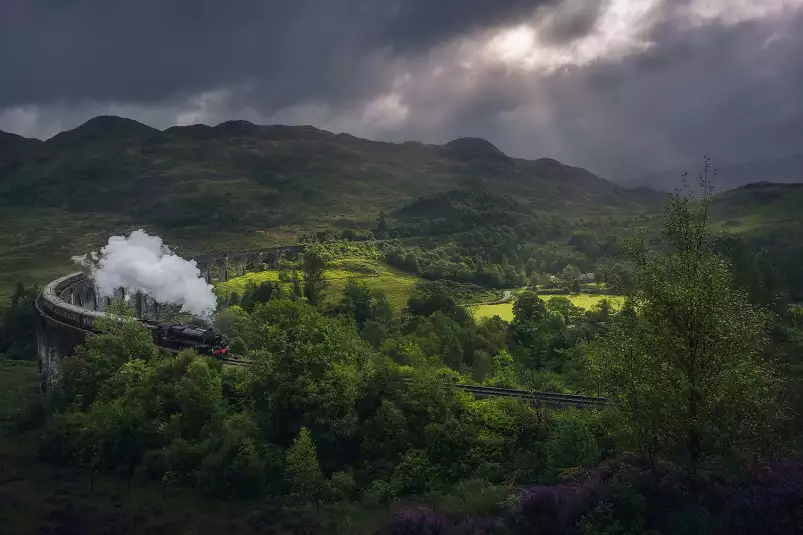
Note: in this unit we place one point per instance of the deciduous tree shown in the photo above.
(314, 268)
(529, 308)
(683, 370)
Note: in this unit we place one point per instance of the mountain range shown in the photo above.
(238, 186)
(238, 174)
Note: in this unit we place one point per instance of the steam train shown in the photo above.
(170, 335)
(180, 336)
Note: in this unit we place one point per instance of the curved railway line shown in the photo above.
(79, 322)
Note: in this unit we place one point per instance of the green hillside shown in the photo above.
(760, 206)
(239, 175)
(14, 151)
(242, 186)
(769, 216)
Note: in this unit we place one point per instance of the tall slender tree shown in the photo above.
(314, 267)
(683, 369)
(302, 471)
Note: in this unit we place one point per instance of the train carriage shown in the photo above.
(172, 335)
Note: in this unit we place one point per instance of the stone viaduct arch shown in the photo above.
(204, 269)
(220, 267)
(219, 271)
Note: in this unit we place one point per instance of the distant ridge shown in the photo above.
(238, 175)
(14, 150)
(13, 142)
(102, 129)
(784, 170)
(474, 148)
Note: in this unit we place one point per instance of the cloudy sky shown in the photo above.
(622, 87)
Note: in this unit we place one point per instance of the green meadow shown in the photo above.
(377, 275)
(505, 310)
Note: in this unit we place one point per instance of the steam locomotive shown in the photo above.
(170, 335)
(180, 336)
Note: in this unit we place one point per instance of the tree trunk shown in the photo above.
(693, 442)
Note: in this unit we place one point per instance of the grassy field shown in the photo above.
(505, 310)
(19, 384)
(376, 275)
(36, 244)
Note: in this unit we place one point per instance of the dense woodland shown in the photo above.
(350, 401)
(492, 241)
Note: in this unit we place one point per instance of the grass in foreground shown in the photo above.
(19, 385)
(505, 310)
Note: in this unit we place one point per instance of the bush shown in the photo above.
(547, 510)
(237, 346)
(418, 521)
(342, 485)
(412, 474)
(772, 505)
(478, 526)
(571, 444)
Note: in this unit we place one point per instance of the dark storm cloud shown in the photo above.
(418, 25)
(151, 50)
(731, 90)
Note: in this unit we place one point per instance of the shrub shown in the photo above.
(478, 526)
(546, 510)
(571, 445)
(772, 505)
(417, 521)
(342, 484)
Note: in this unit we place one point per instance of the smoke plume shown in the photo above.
(143, 263)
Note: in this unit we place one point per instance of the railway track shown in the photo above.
(234, 362)
(546, 398)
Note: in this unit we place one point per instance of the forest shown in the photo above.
(348, 418)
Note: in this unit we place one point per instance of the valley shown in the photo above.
(395, 353)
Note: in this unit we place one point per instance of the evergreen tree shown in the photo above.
(302, 471)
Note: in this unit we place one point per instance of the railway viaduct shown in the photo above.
(67, 308)
(219, 266)
(76, 296)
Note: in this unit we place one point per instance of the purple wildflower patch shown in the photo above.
(417, 521)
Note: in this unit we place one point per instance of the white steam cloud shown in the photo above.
(143, 263)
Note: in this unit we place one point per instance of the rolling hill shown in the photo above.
(238, 185)
(14, 150)
(768, 216)
(238, 174)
